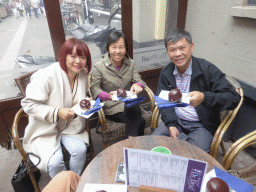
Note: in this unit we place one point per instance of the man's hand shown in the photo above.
(66, 114)
(136, 89)
(196, 98)
(174, 132)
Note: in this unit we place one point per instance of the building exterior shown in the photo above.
(224, 33)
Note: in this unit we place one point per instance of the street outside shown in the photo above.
(29, 36)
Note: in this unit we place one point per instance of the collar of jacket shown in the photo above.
(109, 65)
(196, 71)
(65, 88)
(107, 62)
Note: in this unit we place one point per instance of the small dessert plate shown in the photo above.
(77, 109)
(165, 95)
(129, 96)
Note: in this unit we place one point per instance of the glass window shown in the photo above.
(152, 20)
(25, 42)
(92, 21)
(252, 2)
(25, 39)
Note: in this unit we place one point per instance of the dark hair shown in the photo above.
(176, 35)
(81, 49)
(114, 37)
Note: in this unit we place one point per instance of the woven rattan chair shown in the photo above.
(247, 174)
(22, 82)
(237, 147)
(113, 132)
(18, 130)
(226, 116)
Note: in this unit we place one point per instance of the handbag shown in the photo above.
(21, 181)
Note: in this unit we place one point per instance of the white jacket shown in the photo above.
(48, 90)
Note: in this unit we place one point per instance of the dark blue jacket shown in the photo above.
(219, 95)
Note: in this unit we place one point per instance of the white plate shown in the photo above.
(165, 95)
(77, 109)
(129, 96)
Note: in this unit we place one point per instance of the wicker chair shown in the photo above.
(22, 82)
(113, 132)
(18, 129)
(226, 117)
(247, 174)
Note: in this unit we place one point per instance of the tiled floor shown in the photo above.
(10, 160)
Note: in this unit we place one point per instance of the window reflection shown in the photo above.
(151, 22)
(96, 20)
(25, 42)
(252, 2)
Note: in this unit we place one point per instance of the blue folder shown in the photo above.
(133, 101)
(164, 104)
(96, 107)
(233, 182)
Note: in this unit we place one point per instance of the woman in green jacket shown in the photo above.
(117, 70)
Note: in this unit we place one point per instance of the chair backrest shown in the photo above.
(22, 82)
(236, 85)
(237, 147)
(89, 85)
(226, 119)
(21, 118)
(248, 173)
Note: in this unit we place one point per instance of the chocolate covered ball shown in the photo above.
(217, 185)
(85, 104)
(175, 95)
(121, 93)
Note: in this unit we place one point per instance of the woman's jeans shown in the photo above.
(77, 150)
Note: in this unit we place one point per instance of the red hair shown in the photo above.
(81, 49)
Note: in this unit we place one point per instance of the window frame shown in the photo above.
(243, 9)
(10, 106)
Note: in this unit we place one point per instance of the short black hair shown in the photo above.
(176, 35)
(114, 37)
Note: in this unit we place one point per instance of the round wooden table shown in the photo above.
(102, 169)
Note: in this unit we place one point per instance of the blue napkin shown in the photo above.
(96, 107)
(164, 104)
(233, 182)
(133, 101)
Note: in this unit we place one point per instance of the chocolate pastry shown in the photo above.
(217, 185)
(175, 95)
(121, 93)
(85, 104)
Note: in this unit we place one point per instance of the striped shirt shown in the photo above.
(183, 83)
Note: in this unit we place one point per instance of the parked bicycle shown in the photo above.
(69, 18)
(97, 34)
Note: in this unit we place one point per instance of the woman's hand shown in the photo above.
(66, 114)
(111, 94)
(136, 89)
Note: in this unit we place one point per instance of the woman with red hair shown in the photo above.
(50, 95)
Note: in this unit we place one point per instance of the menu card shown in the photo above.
(91, 187)
(161, 170)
